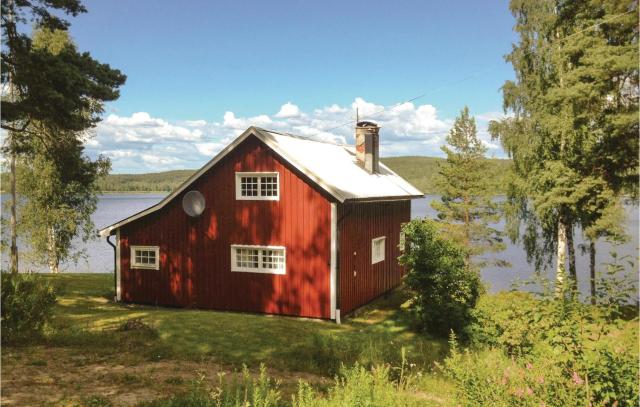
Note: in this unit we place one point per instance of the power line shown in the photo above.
(391, 107)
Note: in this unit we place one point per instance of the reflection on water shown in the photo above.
(114, 207)
(502, 278)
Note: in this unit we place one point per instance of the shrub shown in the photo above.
(508, 320)
(577, 354)
(490, 378)
(445, 288)
(27, 305)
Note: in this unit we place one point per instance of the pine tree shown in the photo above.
(466, 207)
(62, 89)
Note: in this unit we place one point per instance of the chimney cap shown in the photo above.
(366, 124)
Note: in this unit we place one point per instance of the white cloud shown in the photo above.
(288, 110)
(143, 143)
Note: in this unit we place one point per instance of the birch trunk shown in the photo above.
(561, 257)
(54, 261)
(13, 221)
(592, 270)
(572, 258)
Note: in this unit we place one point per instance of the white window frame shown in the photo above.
(135, 265)
(260, 269)
(259, 197)
(377, 259)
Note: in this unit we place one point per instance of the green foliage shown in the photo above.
(556, 351)
(58, 184)
(466, 207)
(242, 390)
(422, 172)
(505, 320)
(357, 386)
(445, 288)
(55, 85)
(327, 353)
(165, 181)
(27, 305)
(574, 125)
(490, 378)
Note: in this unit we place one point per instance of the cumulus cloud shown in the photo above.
(288, 110)
(143, 143)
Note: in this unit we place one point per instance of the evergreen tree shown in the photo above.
(61, 89)
(466, 208)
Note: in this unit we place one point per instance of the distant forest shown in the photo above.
(419, 171)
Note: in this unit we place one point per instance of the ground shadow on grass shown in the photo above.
(382, 332)
(88, 320)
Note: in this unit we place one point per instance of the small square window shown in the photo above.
(145, 257)
(262, 186)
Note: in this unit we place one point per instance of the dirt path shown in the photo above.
(34, 376)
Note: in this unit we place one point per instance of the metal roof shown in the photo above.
(331, 166)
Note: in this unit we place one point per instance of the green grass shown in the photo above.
(86, 316)
(85, 356)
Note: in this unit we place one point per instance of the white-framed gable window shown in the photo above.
(377, 249)
(258, 186)
(258, 259)
(145, 257)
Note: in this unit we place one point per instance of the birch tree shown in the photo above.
(574, 119)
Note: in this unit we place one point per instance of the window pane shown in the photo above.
(247, 258)
(273, 259)
(269, 186)
(249, 186)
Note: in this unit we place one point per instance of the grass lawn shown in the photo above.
(85, 356)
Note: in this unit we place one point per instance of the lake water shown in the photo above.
(114, 207)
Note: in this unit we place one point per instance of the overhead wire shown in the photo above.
(476, 74)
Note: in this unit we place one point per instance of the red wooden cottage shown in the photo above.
(274, 223)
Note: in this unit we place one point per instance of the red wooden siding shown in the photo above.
(195, 255)
(359, 223)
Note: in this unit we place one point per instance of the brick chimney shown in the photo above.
(367, 146)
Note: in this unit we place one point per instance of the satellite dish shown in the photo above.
(193, 203)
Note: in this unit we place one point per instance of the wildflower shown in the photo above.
(541, 379)
(577, 379)
(529, 391)
(529, 366)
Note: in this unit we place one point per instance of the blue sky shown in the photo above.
(200, 72)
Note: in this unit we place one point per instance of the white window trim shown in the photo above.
(235, 268)
(239, 196)
(135, 265)
(375, 260)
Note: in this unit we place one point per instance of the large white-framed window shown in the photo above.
(258, 259)
(377, 249)
(258, 186)
(145, 257)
